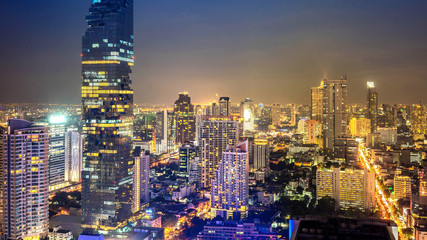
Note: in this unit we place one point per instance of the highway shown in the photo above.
(385, 205)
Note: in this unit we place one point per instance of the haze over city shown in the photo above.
(269, 50)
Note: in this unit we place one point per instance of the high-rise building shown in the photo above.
(247, 112)
(57, 164)
(188, 162)
(141, 178)
(107, 99)
(418, 120)
(276, 114)
(224, 106)
(349, 188)
(261, 154)
(25, 174)
(372, 106)
(215, 134)
(165, 131)
(230, 190)
(334, 111)
(185, 119)
(73, 156)
(317, 103)
(314, 132)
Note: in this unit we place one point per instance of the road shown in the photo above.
(385, 204)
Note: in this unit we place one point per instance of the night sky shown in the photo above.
(269, 50)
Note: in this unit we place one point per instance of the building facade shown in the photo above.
(141, 178)
(25, 174)
(349, 188)
(185, 119)
(107, 100)
(334, 111)
(317, 103)
(73, 156)
(230, 189)
(215, 134)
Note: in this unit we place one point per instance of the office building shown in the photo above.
(230, 190)
(224, 106)
(165, 129)
(360, 127)
(402, 185)
(57, 163)
(247, 112)
(349, 188)
(107, 114)
(372, 106)
(185, 119)
(334, 111)
(317, 103)
(261, 152)
(25, 175)
(314, 133)
(388, 135)
(189, 162)
(141, 178)
(73, 156)
(418, 120)
(215, 134)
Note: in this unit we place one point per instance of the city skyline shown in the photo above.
(286, 44)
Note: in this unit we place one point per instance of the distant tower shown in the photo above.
(276, 113)
(317, 103)
(25, 196)
(334, 111)
(372, 106)
(230, 189)
(185, 119)
(247, 112)
(224, 106)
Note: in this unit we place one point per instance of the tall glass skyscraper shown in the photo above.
(107, 99)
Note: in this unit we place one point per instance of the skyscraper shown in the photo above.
(107, 99)
(141, 178)
(185, 119)
(165, 131)
(372, 106)
(334, 111)
(224, 106)
(215, 134)
(261, 154)
(247, 112)
(25, 196)
(73, 156)
(317, 103)
(230, 189)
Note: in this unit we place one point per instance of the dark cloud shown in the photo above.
(272, 51)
